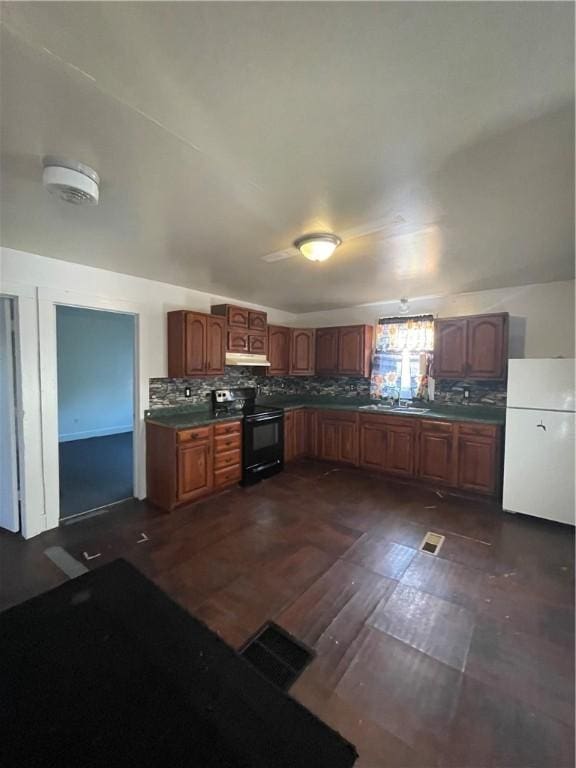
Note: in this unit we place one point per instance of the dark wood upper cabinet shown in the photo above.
(302, 352)
(257, 320)
(257, 344)
(327, 350)
(355, 350)
(487, 345)
(450, 348)
(196, 344)
(237, 341)
(474, 347)
(278, 350)
(236, 317)
(216, 344)
(344, 350)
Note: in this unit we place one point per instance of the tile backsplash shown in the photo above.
(450, 392)
(167, 392)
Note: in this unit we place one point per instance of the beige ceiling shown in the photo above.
(222, 131)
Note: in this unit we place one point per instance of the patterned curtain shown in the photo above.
(402, 357)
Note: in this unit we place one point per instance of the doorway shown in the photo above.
(95, 370)
(9, 481)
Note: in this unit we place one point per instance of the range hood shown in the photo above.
(243, 358)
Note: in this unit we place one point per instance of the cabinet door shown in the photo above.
(302, 352)
(327, 350)
(257, 321)
(329, 439)
(400, 450)
(288, 436)
(216, 344)
(450, 348)
(348, 443)
(372, 446)
(195, 344)
(487, 346)
(300, 433)
(257, 344)
(436, 456)
(194, 470)
(477, 464)
(311, 433)
(351, 351)
(238, 317)
(278, 350)
(237, 341)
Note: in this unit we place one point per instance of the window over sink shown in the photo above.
(402, 357)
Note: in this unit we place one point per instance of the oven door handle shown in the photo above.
(260, 419)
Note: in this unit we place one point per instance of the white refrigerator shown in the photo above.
(539, 451)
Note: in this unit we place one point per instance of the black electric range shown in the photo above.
(262, 435)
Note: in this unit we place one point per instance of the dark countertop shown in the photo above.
(184, 417)
(479, 413)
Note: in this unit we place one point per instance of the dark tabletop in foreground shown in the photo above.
(106, 670)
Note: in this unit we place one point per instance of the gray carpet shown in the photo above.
(95, 472)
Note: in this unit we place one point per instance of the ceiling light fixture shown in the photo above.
(404, 306)
(318, 246)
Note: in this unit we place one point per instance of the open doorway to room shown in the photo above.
(96, 357)
(9, 495)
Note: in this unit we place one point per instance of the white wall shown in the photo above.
(541, 316)
(95, 373)
(40, 279)
(157, 298)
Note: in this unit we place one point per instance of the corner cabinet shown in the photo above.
(196, 344)
(344, 350)
(302, 352)
(278, 350)
(474, 347)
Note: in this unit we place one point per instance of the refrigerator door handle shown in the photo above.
(541, 426)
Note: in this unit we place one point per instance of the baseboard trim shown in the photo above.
(105, 432)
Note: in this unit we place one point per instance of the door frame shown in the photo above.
(28, 414)
(48, 300)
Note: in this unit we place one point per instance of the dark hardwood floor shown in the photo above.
(464, 659)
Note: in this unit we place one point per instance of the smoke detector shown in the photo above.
(74, 183)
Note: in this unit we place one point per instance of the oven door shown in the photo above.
(263, 453)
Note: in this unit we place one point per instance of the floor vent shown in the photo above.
(431, 543)
(277, 655)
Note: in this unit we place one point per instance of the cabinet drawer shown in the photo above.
(228, 428)
(226, 476)
(479, 430)
(350, 416)
(227, 460)
(437, 426)
(225, 443)
(187, 435)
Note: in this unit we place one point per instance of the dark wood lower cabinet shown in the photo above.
(454, 454)
(338, 437)
(388, 444)
(295, 434)
(183, 465)
(436, 457)
(195, 476)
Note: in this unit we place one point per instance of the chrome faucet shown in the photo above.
(397, 398)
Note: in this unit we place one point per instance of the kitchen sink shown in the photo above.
(393, 408)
